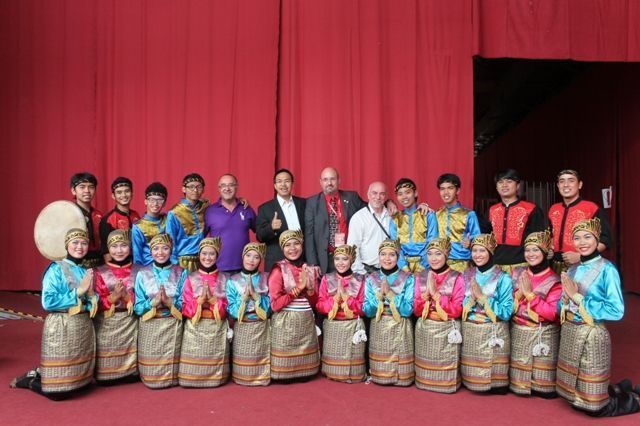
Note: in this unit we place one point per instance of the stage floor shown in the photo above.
(319, 401)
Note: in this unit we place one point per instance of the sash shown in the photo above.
(353, 288)
(219, 283)
(587, 280)
(152, 286)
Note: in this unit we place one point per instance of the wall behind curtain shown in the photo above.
(592, 127)
(378, 89)
(583, 30)
(148, 89)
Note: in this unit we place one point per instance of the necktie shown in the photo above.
(333, 220)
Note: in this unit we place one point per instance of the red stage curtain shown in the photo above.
(593, 127)
(584, 30)
(149, 90)
(379, 90)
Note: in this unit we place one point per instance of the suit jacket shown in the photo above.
(266, 235)
(316, 220)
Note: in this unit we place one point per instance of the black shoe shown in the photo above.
(624, 386)
(24, 381)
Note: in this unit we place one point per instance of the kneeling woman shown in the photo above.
(438, 306)
(535, 333)
(388, 299)
(487, 309)
(248, 297)
(341, 297)
(116, 326)
(68, 339)
(293, 288)
(591, 295)
(204, 360)
(158, 301)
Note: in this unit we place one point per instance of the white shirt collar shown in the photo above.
(284, 202)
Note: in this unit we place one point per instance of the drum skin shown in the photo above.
(52, 224)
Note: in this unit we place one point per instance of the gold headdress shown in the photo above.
(118, 236)
(260, 248)
(161, 239)
(541, 239)
(389, 244)
(347, 250)
(442, 244)
(213, 242)
(487, 241)
(75, 233)
(590, 225)
(291, 235)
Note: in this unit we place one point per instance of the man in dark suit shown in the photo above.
(282, 213)
(327, 218)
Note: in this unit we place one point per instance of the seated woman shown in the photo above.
(158, 301)
(591, 294)
(388, 299)
(204, 360)
(341, 297)
(487, 309)
(535, 334)
(438, 306)
(248, 297)
(116, 326)
(68, 340)
(293, 288)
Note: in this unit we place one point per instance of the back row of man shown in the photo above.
(334, 217)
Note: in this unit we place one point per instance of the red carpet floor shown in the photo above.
(319, 401)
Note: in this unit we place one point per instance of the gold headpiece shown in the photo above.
(260, 248)
(487, 241)
(347, 250)
(118, 236)
(75, 233)
(213, 242)
(590, 225)
(541, 239)
(389, 244)
(161, 239)
(442, 244)
(291, 235)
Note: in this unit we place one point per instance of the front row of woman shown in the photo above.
(481, 328)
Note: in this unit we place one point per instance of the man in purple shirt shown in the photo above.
(229, 219)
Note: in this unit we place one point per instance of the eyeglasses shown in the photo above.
(283, 181)
(155, 201)
(194, 187)
(227, 185)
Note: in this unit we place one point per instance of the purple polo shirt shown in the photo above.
(233, 228)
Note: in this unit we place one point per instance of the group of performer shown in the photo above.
(168, 314)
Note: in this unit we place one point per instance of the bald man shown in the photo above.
(327, 215)
(368, 228)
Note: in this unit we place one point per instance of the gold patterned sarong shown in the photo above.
(342, 360)
(483, 367)
(294, 345)
(528, 372)
(391, 351)
(252, 353)
(437, 361)
(204, 357)
(116, 345)
(159, 343)
(68, 352)
(584, 365)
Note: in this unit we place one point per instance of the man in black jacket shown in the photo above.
(326, 218)
(283, 212)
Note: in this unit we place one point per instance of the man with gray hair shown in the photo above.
(368, 228)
